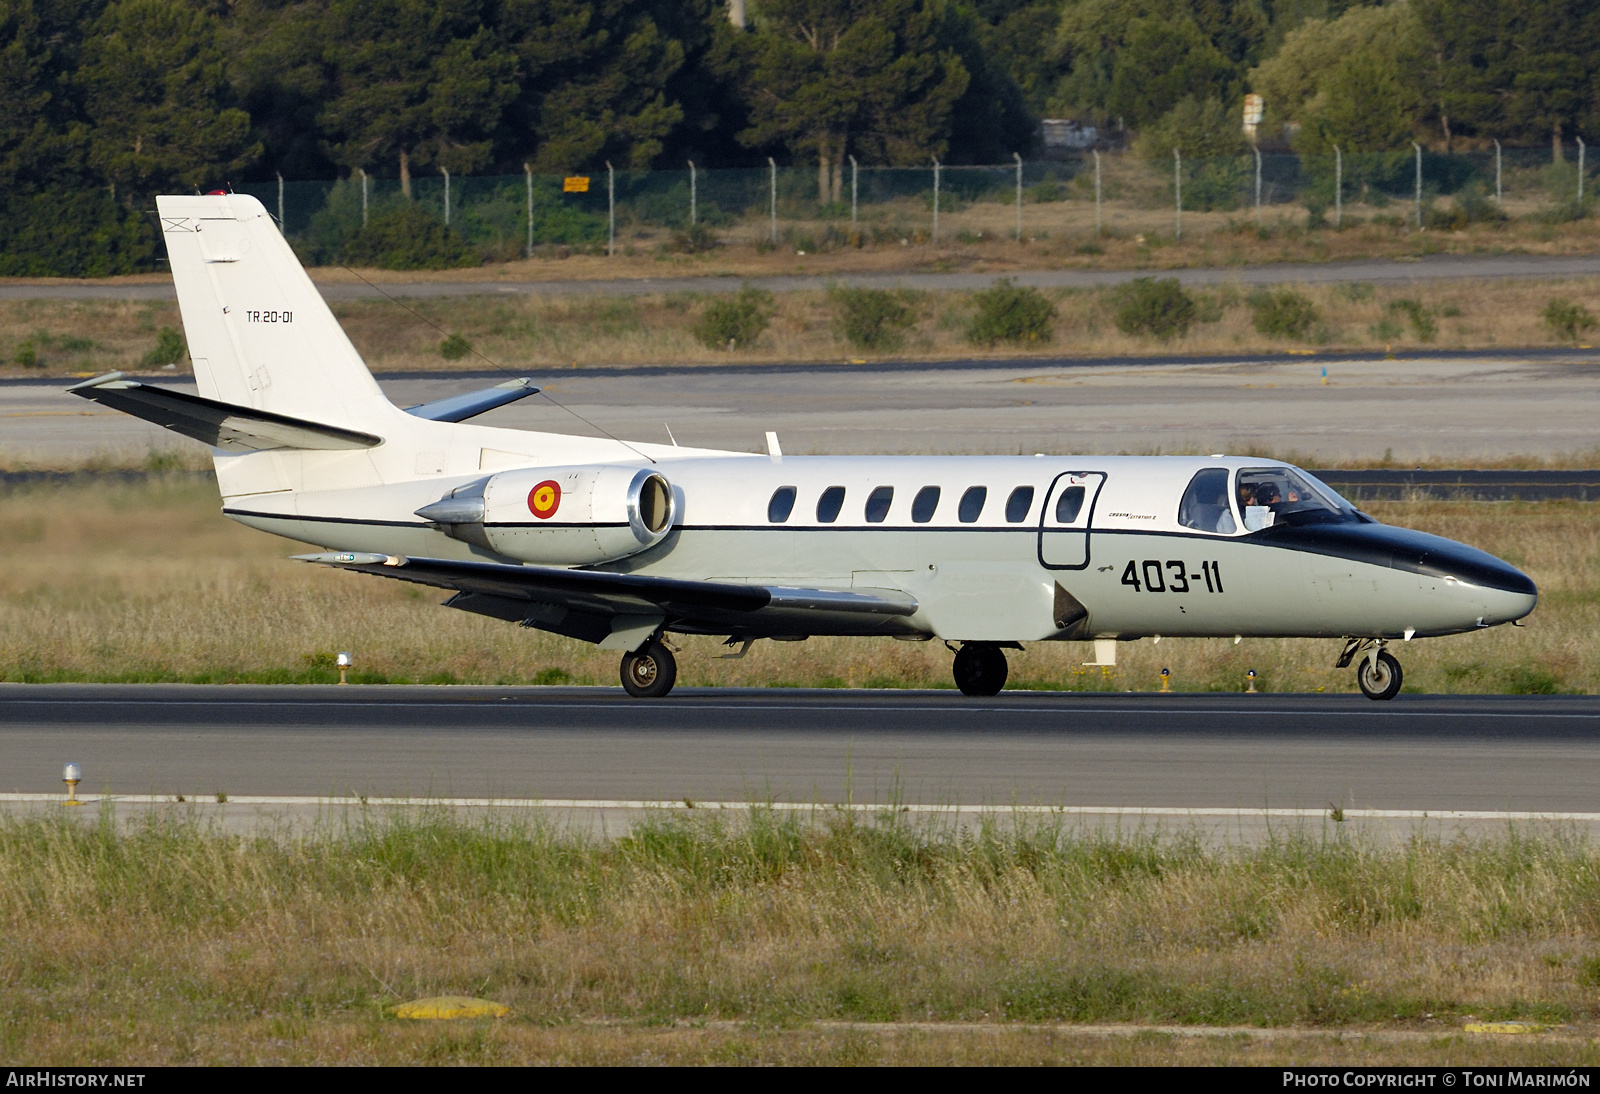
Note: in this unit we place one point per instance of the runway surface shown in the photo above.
(341, 285)
(1200, 751)
(1450, 406)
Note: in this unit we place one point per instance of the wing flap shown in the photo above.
(221, 425)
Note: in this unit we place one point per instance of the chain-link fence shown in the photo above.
(509, 216)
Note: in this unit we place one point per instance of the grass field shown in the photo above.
(146, 581)
(786, 939)
(545, 333)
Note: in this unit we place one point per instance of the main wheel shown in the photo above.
(650, 671)
(1381, 681)
(979, 670)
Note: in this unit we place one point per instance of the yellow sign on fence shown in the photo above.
(575, 184)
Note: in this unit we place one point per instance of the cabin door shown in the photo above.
(1064, 521)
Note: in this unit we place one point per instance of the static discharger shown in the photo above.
(71, 776)
(452, 1006)
(344, 661)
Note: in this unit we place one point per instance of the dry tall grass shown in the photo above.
(544, 333)
(146, 581)
(171, 943)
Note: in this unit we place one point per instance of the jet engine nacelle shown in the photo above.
(560, 516)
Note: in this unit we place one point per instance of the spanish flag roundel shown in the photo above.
(545, 499)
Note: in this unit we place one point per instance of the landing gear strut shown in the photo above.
(649, 671)
(979, 669)
(1377, 672)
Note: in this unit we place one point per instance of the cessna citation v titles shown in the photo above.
(619, 543)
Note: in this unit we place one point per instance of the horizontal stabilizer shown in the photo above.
(220, 425)
(458, 408)
(607, 593)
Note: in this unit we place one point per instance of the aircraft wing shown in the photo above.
(221, 425)
(590, 604)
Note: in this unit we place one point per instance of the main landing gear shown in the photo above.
(649, 671)
(1377, 672)
(980, 669)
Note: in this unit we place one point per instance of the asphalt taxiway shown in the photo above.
(1211, 751)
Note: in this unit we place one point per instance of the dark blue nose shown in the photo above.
(1403, 549)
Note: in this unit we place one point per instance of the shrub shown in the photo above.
(1283, 314)
(1008, 312)
(1567, 320)
(454, 348)
(27, 355)
(871, 318)
(1422, 322)
(1159, 308)
(693, 240)
(735, 322)
(73, 232)
(169, 349)
(408, 237)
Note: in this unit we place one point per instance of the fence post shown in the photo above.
(1338, 188)
(281, 228)
(1177, 189)
(772, 166)
(446, 171)
(693, 196)
(527, 170)
(1258, 187)
(1418, 147)
(363, 196)
(854, 168)
(1019, 195)
(1581, 147)
(1499, 195)
(935, 200)
(1098, 230)
(611, 209)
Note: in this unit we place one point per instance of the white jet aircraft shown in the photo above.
(620, 543)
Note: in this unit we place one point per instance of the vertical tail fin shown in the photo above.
(259, 332)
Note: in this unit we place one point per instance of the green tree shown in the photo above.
(830, 77)
(1135, 59)
(417, 81)
(155, 92)
(1161, 62)
(1515, 69)
(596, 77)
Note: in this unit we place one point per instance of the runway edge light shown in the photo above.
(71, 775)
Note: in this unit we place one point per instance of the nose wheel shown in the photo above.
(979, 670)
(649, 671)
(1379, 676)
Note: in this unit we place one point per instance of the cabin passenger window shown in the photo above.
(1069, 505)
(781, 505)
(829, 504)
(924, 504)
(1205, 503)
(878, 504)
(972, 504)
(1018, 504)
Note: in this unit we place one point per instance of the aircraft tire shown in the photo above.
(1384, 683)
(649, 671)
(980, 670)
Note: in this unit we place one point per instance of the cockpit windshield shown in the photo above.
(1270, 496)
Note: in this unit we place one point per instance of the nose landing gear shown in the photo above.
(649, 671)
(980, 669)
(1378, 673)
